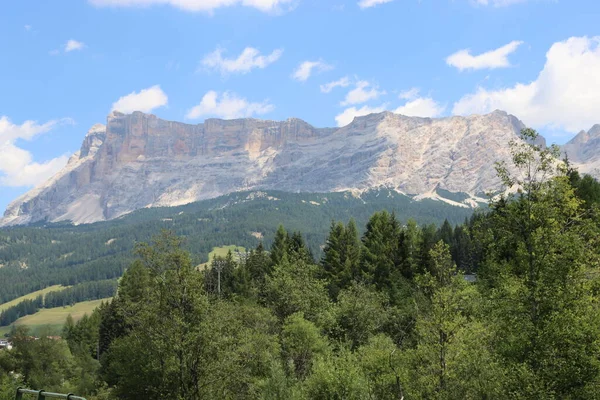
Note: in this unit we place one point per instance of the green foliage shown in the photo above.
(452, 359)
(163, 326)
(294, 287)
(337, 377)
(381, 365)
(388, 317)
(301, 343)
(341, 256)
(47, 254)
(541, 247)
(361, 313)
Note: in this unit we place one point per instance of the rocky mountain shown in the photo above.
(584, 151)
(138, 160)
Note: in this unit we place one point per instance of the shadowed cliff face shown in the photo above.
(139, 160)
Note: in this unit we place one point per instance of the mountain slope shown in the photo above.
(139, 161)
(584, 151)
(38, 256)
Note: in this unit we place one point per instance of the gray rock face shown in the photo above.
(584, 151)
(139, 160)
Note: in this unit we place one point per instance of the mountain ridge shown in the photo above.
(139, 160)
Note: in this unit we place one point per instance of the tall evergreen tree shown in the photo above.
(341, 256)
(280, 246)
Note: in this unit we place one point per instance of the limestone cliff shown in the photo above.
(584, 151)
(139, 160)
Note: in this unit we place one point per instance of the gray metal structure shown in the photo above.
(43, 395)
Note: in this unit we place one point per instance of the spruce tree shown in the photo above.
(280, 246)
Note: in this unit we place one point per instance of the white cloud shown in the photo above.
(145, 101)
(363, 92)
(28, 27)
(72, 45)
(372, 3)
(342, 82)
(207, 6)
(417, 106)
(498, 58)
(409, 94)
(249, 59)
(348, 114)
(10, 132)
(227, 106)
(498, 3)
(305, 69)
(17, 167)
(565, 95)
(421, 107)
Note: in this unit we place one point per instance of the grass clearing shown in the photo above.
(31, 296)
(222, 252)
(53, 319)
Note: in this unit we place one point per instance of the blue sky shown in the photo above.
(66, 64)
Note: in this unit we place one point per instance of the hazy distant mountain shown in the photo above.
(139, 160)
(584, 151)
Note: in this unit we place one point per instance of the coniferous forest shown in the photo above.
(505, 305)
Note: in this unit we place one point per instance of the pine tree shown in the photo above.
(333, 258)
(352, 251)
(280, 245)
(297, 249)
(382, 256)
(445, 233)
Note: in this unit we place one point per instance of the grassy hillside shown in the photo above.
(53, 319)
(63, 254)
(223, 250)
(30, 296)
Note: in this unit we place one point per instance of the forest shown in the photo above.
(38, 256)
(82, 292)
(505, 305)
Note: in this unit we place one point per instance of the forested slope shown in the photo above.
(35, 257)
(382, 314)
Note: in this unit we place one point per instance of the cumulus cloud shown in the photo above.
(17, 167)
(228, 106)
(371, 3)
(248, 60)
(348, 114)
(498, 58)
(145, 100)
(414, 106)
(418, 106)
(363, 92)
(73, 45)
(421, 107)
(342, 82)
(565, 95)
(207, 6)
(305, 69)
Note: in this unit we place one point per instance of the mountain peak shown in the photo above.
(95, 129)
(139, 160)
(594, 131)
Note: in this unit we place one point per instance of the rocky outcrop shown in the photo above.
(584, 151)
(139, 160)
